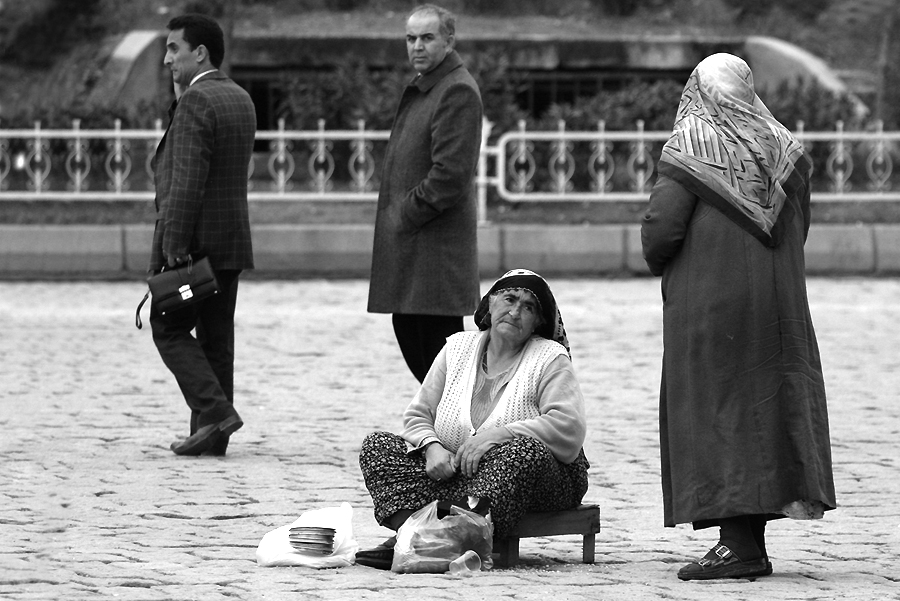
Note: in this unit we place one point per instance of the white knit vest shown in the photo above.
(453, 423)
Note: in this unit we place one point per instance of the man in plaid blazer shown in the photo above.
(201, 168)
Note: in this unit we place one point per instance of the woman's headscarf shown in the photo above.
(727, 148)
(522, 279)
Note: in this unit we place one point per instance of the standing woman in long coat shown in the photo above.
(742, 416)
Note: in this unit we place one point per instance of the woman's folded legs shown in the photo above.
(515, 477)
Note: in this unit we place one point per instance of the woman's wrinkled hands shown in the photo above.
(472, 450)
(439, 462)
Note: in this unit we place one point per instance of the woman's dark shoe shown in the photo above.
(380, 557)
(721, 562)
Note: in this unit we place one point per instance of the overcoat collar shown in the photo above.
(429, 80)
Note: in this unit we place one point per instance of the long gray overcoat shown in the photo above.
(425, 257)
(743, 422)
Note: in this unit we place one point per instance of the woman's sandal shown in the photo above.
(721, 562)
(380, 557)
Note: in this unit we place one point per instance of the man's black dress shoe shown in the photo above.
(218, 449)
(206, 437)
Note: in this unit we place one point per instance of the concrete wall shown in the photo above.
(345, 250)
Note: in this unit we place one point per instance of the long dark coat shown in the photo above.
(743, 421)
(425, 257)
(200, 171)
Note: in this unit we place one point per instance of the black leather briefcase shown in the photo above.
(174, 289)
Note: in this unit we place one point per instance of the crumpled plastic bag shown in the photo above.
(426, 544)
(275, 548)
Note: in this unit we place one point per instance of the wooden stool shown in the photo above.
(584, 520)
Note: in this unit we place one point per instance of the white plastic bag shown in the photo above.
(276, 550)
(427, 544)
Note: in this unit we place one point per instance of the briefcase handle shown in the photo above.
(137, 314)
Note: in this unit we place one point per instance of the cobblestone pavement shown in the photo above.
(94, 505)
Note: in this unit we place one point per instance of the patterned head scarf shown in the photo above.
(728, 149)
(522, 279)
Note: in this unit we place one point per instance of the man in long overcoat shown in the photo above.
(201, 200)
(425, 258)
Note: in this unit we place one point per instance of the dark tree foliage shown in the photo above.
(212, 8)
(654, 103)
(622, 8)
(807, 9)
(818, 108)
(48, 34)
(498, 7)
(92, 116)
(350, 4)
(498, 90)
(341, 97)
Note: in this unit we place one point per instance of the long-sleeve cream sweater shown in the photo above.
(546, 400)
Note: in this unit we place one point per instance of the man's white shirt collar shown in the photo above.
(199, 75)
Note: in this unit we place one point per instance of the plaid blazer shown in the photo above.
(200, 170)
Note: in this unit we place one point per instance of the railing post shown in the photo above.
(482, 181)
(601, 165)
(521, 158)
(361, 163)
(38, 173)
(321, 163)
(78, 164)
(5, 163)
(799, 133)
(879, 164)
(562, 161)
(281, 161)
(839, 165)
(151, 146)
(118, 161)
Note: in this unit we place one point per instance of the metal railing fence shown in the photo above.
(519, 166)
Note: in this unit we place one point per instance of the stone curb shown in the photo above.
(345, 250)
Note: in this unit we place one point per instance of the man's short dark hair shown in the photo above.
(201, 30)
(448, 21)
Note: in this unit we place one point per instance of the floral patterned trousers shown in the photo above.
(517, 477)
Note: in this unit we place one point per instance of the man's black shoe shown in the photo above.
(206, 437)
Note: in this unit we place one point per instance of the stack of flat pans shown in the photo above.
(311, 540)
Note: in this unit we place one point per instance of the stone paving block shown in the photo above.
(58, 249)
(565, 250)
(840, 249)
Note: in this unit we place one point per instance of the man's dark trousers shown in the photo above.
(421, 338)
(202, 366)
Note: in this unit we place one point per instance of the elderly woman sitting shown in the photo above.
(499, 417)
